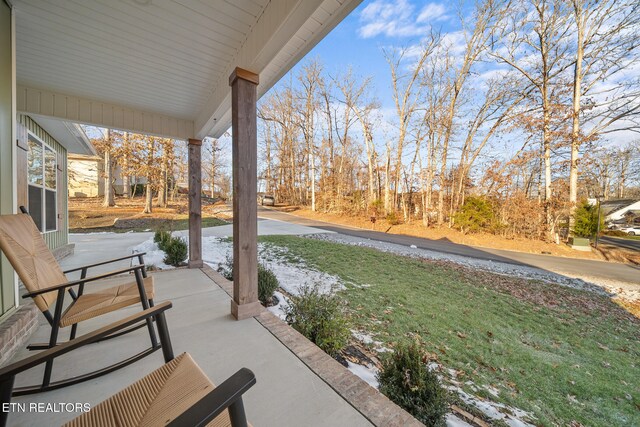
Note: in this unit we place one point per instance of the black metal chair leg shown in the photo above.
(6, 387)
(145, 305)
(74, 329)
(237, 414)
(165, 339)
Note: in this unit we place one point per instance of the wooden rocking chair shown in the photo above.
(177, 394)
(47, 284)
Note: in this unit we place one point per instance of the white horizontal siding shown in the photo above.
(79, 110)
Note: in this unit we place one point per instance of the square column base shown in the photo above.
(244, 311)
(196, 264)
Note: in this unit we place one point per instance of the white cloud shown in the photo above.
(432, 12)
(398, 18)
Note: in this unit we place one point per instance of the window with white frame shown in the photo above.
(42, 179)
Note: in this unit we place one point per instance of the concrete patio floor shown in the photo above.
(287, 392)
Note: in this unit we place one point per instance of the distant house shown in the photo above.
(619, 210)
(86, 177)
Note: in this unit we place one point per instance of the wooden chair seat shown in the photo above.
(154, 400)
(94, 304)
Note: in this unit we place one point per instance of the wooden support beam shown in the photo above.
(195, 203)
(245, 209)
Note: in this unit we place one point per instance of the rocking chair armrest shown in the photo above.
(105, 262)
(226, 395)
(15, 368)
(80, 281)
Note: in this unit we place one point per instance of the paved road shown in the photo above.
(622, 243)
(567, 266)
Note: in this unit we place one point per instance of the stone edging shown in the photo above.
(368, 401)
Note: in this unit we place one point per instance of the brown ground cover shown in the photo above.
(88, 214)
(444, 233)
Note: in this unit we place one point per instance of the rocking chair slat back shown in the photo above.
(26, 250)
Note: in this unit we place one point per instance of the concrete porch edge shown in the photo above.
(368, 401)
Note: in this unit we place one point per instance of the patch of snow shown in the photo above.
(413, 247)
(494, 391)
(87, 234)
(513, 417)
(154, 256)
(366, 373)
(454, 421)
(283, 303)
(363, 338)
(292, 273)
(216, 251)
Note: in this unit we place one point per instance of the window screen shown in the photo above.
(35, 205)
(50, 210)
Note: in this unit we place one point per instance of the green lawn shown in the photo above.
(560, 354)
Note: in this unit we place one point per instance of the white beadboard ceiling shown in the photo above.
(158, 66)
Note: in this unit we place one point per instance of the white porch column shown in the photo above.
(195, 203)
(245, 210)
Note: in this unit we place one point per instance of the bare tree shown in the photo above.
(214, 163)
(309, 78)
(406, 96)
(534, 43)
(150, 171)
(354, 92)
(606, 44)
(109, 191)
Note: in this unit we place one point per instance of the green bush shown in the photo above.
(320, 318)
(392, 218)
(226, 269)
(162, 238)
(267, 284)
(176, 251)
(405, 379)
(475, 215)
(586, 220)
(267, 281)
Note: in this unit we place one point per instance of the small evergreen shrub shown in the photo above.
(176, 251)
(475, 215)
(320, 318)
(405, 379)
(226, 269)
(267, 281)
(586, 220)
(392, 218)
(162, 238)
(267, 284)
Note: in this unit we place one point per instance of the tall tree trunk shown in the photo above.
(162, 190)
(387, 193)
(546, 144)
(312, 160)
(575, 131)
(126, 186)
(126, 178)
(148, 204)
(109, 196)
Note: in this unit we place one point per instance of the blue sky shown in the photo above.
(358, 40)
(375, 24)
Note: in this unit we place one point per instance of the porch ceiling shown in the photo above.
(158, 66)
